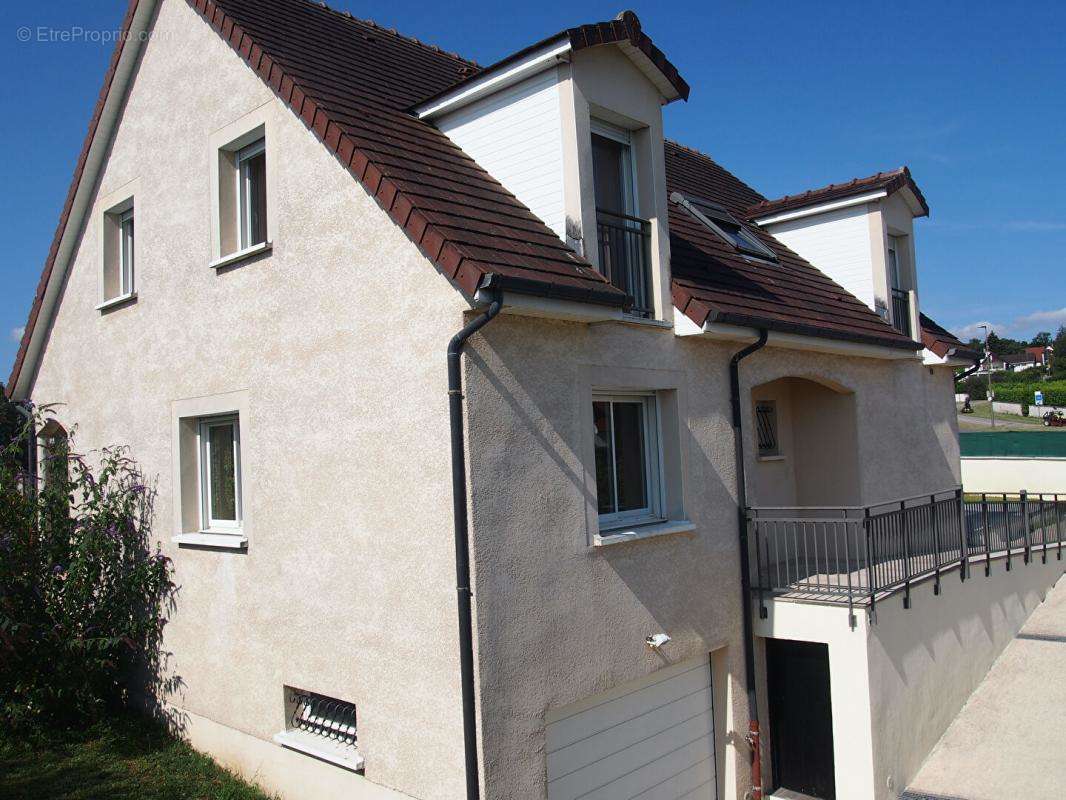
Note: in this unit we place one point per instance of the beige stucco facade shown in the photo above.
(331, 348)
(337, 339)
(560, 619)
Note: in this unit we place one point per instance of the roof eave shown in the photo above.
(637, 46)
(799, 338)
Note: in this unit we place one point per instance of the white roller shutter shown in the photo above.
(651, 739)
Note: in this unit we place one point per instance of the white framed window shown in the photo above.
(126, 251)
(895, 258)
(614, 169)
(252, 194)
(118, 273)
(769, 443)
(243, 181)
(219, 440)
(628, 458)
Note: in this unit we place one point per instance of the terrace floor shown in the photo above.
(1007, 742)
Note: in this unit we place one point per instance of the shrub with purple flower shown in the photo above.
(83, 591)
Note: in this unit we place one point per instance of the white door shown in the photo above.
(651, 739)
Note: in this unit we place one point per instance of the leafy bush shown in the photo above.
(1054, 393)
(82, 592)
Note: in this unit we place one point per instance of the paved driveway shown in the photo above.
(1009, 740)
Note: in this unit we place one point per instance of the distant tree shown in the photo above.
(1004, 346)
(1058, 358)
(1042, 339)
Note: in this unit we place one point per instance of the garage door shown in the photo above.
(651, 739)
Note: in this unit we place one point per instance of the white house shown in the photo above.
(484, 419)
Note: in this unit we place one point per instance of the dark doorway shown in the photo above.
(801, 717)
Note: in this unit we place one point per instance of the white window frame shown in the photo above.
(653, 459)
(629, 163)
(892, 256)
(127, 258)
(118, 271)
(244, 194)
(207, 523)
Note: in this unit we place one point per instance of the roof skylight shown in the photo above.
(719, 220)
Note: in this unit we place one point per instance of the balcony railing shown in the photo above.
(856, 555)
(625, 256)
(901, 311)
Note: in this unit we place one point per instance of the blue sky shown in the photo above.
(788, 96)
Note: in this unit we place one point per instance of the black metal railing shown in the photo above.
(856, 554)
(901, 311)
(322, 716)
(625, 256)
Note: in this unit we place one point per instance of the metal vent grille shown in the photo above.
(766, 428)
(322, 716)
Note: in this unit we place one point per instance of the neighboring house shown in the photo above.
(1028, 358)
(283, 215)
(1018, 362)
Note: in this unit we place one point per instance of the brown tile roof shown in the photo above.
(943, 342)
(712, 282)
(888, 181)
(354, 94)
(623, 28)
(352, 82)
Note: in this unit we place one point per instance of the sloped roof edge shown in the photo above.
(625, 28)
(130, 46)
(889, 182)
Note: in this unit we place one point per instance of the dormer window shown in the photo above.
(624, 238)
(725, 225)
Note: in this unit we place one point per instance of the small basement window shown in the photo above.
(628, 463)
(766, 428)
(719, 220)
(321, 726)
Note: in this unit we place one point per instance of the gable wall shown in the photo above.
(338, 340)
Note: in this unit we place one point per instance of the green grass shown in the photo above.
(123, 758)
(983, 409)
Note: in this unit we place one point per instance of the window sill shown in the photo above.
(241, 255)
(632, 534)
(633, 319)
(333, 752)
(223, 541)
(116, 301)
(770, 458)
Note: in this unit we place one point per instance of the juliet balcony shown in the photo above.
(625, 257)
